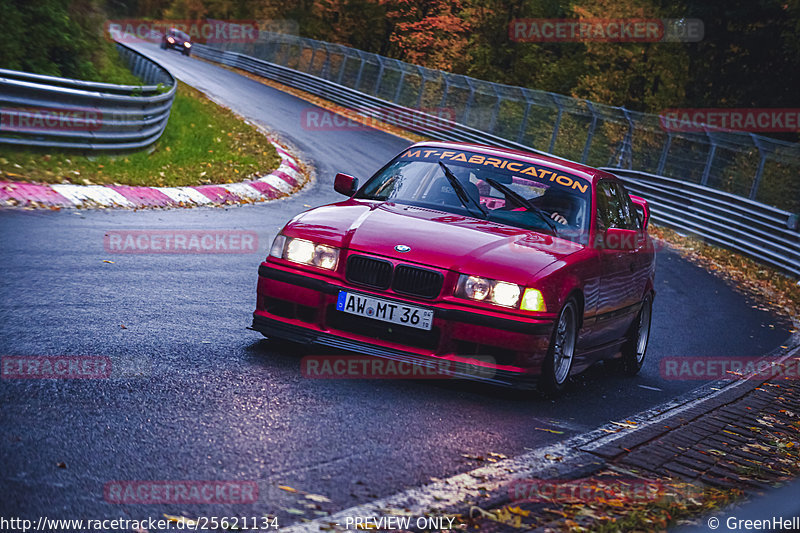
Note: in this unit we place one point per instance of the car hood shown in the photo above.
(435, 238)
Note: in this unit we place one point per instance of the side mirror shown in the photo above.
(345, 184)
(641, 203)
(616, 239)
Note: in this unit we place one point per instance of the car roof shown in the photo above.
(588, 173)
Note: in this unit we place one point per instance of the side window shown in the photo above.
(614, 207)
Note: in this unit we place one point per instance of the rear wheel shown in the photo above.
(635, 347)
(558, 362)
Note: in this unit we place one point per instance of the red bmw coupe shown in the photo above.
(511, 267)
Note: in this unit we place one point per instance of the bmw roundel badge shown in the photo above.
(402, 248)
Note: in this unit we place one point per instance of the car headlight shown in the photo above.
(170, 40)
(482, 289)
(187, 45)
(305, 252)
(505, 294)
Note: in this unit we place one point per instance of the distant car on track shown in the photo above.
(526, 268)
(178, 40)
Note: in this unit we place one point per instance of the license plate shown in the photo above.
(385, 310)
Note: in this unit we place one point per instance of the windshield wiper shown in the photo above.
(461, 192)
(527, 204)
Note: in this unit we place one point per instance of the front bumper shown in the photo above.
(177, 46)
(489, 347)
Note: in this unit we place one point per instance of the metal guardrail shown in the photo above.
(762, 232)
(47, 111)
(756, 230)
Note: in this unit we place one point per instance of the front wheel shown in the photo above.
(635, 346)
(558, 362)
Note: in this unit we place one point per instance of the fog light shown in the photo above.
(533, 300)
(277, 246)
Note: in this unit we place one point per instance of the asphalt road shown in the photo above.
(194, 395)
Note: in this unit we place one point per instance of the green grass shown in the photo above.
(203, 143)
(110, 67)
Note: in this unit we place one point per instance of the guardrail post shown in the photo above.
(399, 86)
(445, 75)
(710, 159)
(422, 80)
(360, 70)
(557, 124)
(379, 77)
(662, 161)
(626, 153)
(326, 66)
(310, 69)
(469, 100)
(495, 111)
(760, 171)
(524, 123)
(590, 134)
(345, 59)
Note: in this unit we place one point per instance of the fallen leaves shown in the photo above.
(317, 498)
(550, 431)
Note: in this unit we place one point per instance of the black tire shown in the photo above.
(561, 353)
(163, 46)
(635, 347)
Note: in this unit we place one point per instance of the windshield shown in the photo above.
(507, 191)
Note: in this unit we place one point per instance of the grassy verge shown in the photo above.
(110, 67)
(203, 143)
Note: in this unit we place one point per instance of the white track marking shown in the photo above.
(182, 194)
(97, 194)
(276, 182)
(243, 190)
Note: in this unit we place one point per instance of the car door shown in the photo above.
(618, 294)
